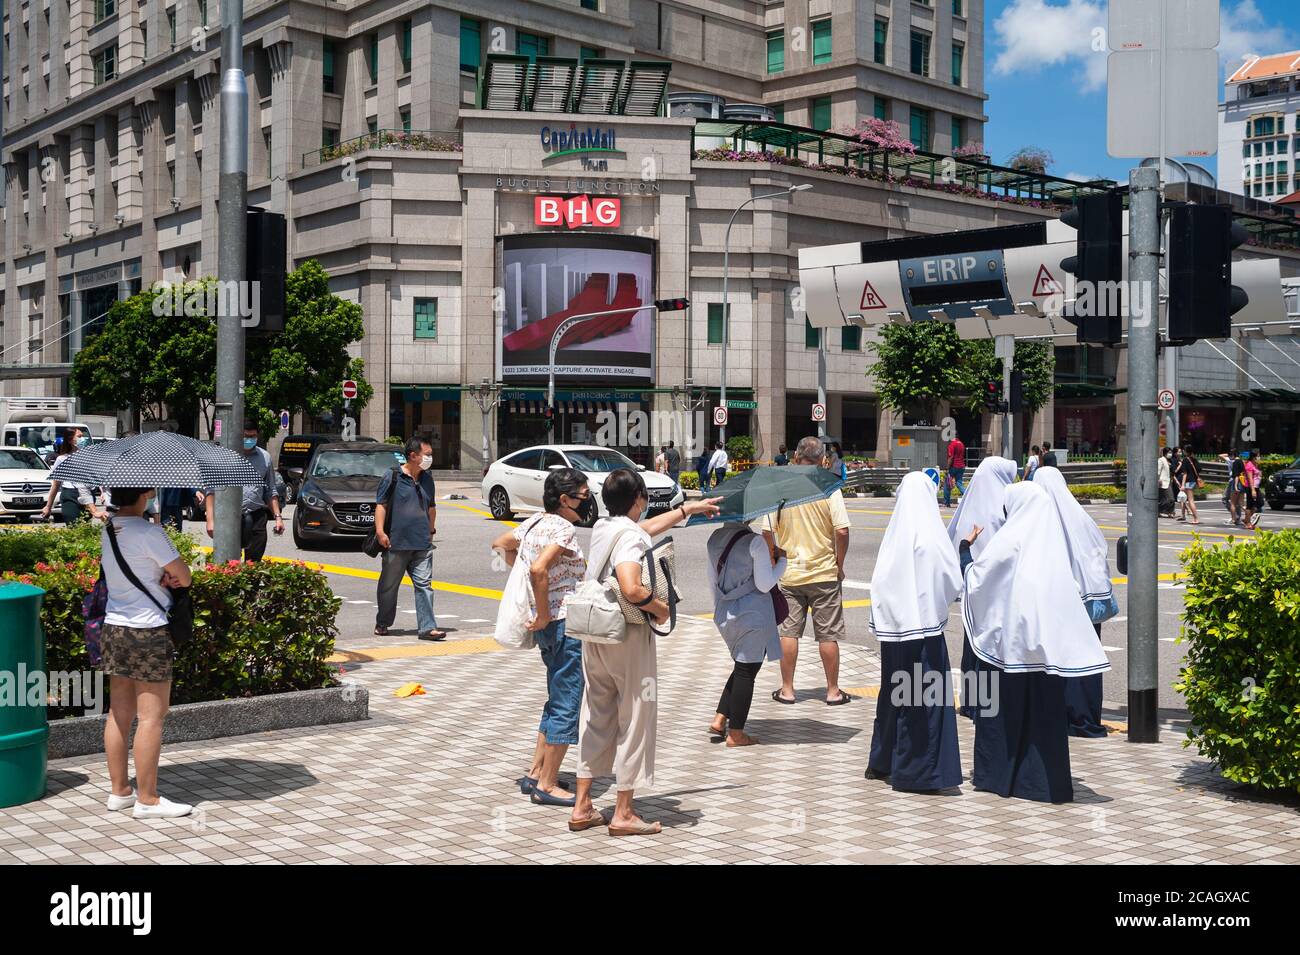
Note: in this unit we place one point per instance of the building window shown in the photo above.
(850, 338)
(958, 8)
(958, 55)
(406, 46)
(821, 113)
(1259, 149)
(1245, 149)
(776, 51)
(105, 62)
(588, 53)
(372, 126)
(171, 26)
(374, 58)
(531, 45)
(426, 318)
(882, 108)
(957, 141)
(104, 9)
(778, 112)
(821, 31)
(882, 41)
(811, 336)
(203, 13)
(406, 120)
(266, 141)
(921, 129)
(591, 4)
(329, 137)
(920, 53)
(715, 323)
(327, 66)
(144, 42)
(471, 44)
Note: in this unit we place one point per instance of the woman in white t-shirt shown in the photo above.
(137, 651)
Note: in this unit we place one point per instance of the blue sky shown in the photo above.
(1047, 87)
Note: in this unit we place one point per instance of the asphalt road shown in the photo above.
(467, 584)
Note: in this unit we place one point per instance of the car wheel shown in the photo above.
(499, 504)
(290, 494)
(1276, 505)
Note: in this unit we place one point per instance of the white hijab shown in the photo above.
(1020, 604)
(982, 503)
(917, 574)
(1089, 560)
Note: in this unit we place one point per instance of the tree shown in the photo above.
(881, 134)
(1033, 159)
(918, 365)
(1036, 362)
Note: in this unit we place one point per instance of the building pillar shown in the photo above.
(209, 92)
(126, 177)
(77, 315)
(478, 320)
(884, 435)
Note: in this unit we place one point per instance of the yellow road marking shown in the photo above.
(479, 510)
(452, 648)
(469, 591)
(856, 603)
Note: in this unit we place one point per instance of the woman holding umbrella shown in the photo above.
(74, 499)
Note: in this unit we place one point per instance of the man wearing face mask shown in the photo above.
(405, 521)
(259, 500)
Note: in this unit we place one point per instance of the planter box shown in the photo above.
(188, 722)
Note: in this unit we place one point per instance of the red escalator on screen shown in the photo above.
(594, 297)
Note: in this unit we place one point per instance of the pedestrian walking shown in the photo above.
(956, 470)
(548, 545)
(1032, 463)
(1090, 567)
(782, 457)
(815, 540)
(718, 464)
(673, 459)
(406, 518)
(1030, 634)
(1189, 477)
(259, 501)
(1164, 477)
(702, 468)
(916, 579)
(1049, 456)
(617, 727)
(171, 505)
(140, 567)
(743, 570)
(76, 500)
(661, 460)
(1252, 478)
(1234, 499)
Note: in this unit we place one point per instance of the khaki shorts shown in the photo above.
(144, 655)
(825, 600)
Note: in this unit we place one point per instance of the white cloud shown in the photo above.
(1032, 34)
(1081, 176)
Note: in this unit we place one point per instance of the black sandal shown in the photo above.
(844, 698)
(776, 695)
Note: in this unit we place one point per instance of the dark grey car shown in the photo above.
(337, 498)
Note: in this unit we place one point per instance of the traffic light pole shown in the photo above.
(1143, 449)
(563, 327)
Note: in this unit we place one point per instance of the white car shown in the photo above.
(24, 484)
(514, 484)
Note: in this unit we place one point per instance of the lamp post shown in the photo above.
(726, 312)
(487, 395)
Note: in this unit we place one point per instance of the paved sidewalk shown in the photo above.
(430, 779)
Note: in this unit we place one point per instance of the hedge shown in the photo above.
(690, 480)
(1241, 679)
(259, 628)
(22, 548)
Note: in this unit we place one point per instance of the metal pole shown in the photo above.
(1004, 347)
(1143, 437)
(232, 201)
(821, 382)
(563, 327)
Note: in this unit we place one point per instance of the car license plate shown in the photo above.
(27, 501)
(357, 518)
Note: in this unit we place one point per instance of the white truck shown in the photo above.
(38, 423)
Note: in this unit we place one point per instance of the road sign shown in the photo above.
(284, 421)
(720, 416)
(818, 412)
(349, 389)
(1189, 24)
(216, 430)
(1191, 103)
(1166, 400)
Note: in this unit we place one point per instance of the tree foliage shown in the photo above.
(1036, 362)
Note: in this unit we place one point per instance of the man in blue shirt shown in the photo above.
(259, 501)
(404, 527)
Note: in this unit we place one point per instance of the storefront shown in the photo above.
(433, 412)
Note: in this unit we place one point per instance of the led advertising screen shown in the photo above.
(549, 278)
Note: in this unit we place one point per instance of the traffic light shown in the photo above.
(265, 249)
(1097, 267)
(672, 304)
(993, 388)
(1202, 298)
(1016, 402)
(549, 414)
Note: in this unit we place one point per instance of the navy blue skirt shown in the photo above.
(969, 673)
(1023, 749)
(914, 741)
(1083, 703)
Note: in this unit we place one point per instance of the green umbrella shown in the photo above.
(764, 490)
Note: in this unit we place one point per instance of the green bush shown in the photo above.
(22, 548)
(1241, 680)
(740, 447)
(259, 628)
(689, 480)
(1273, 462)
(1097, 492)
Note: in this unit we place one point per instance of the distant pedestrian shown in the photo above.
(702, 468)
(1189, 474)
(956, 470)
(259, 502)
(1234, 497)
(1049, 456)
(1164, 478)
(673, 459)
(1032, 463)
(171, 505)
(75, 500)
(743, 569)
(406, 518)
(815, 540)
(137, 650)
(661, 460)
(782, 457)
(718, 464)
(1253, 496)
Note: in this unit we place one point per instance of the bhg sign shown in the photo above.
(577, 211)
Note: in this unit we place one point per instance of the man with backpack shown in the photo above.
(405, 520)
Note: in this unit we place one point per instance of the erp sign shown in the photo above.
(577, 211)
(955, 284)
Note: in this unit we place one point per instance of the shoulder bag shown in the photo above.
(657, 570)
(515, 610)
(180, 619)
(593, 613)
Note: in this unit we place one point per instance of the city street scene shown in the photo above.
(630, 432)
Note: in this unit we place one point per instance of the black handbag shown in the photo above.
(180, 619)
(370, 546)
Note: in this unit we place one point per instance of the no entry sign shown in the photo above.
(349, 389)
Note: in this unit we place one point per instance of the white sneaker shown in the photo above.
(118, 803)
(163, 809)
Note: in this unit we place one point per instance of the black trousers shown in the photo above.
(252, 534)
(738, 694)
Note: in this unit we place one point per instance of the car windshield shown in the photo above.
(20, 458)
(599, 461)
(356, 463)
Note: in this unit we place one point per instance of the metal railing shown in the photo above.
(411, 140)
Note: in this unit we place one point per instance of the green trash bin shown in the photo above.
(24, 733)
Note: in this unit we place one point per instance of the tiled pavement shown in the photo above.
(430, 779)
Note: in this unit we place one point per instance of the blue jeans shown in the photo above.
(564, 684)
(396, 564)
(954, 477)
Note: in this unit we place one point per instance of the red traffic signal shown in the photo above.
(672, 304)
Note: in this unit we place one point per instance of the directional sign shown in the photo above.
(284, 421)
(819, 412)
(720, 416)
(1166, 399)
(349, 389)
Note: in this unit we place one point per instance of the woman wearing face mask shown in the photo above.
(74, 499)
(548, 543)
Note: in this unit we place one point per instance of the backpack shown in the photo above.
(94, 608)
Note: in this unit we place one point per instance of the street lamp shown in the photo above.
(487, 395)
(726, 312)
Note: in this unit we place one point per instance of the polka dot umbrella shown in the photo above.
(157, 459)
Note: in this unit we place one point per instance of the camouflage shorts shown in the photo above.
(144, 655)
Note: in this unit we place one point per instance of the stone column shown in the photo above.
(130, 188)
(209, 89)
(478, 351)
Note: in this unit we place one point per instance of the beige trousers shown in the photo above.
(616, 733)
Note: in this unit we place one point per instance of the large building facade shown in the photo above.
(1259, 128)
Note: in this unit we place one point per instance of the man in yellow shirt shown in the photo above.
(815, 538)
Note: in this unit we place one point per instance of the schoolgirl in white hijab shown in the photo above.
(981, 505)
(917, 577)
(1090, 564)
(1031, 634)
